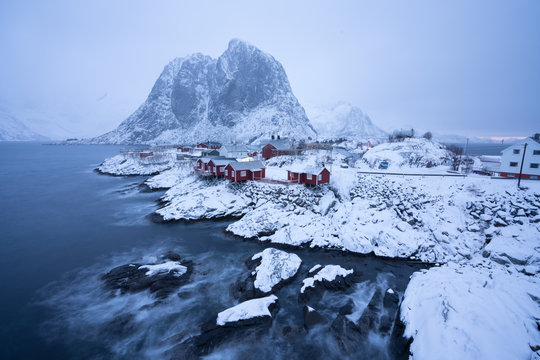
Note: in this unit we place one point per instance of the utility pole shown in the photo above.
(521, 168)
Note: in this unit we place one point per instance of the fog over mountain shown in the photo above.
(12, 129)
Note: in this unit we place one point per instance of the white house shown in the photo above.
(236, 151)
(512, 156)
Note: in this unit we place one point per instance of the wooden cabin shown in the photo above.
(247, 170)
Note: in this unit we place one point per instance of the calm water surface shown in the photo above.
(62, 225)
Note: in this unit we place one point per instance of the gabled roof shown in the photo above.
(221, 162)
(281, 144)
(307, 169)
(519, 145)
(247, 165)
(208, 158)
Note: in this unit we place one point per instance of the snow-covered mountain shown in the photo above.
(12, 129)
(343, 121)
(244, 95)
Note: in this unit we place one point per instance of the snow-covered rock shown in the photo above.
(254, 308)
(415, 152)
(465, 312)
(275, 267)
(244, 95)
(194, 199)
(328, 273)
(167, 267)
(124, 165)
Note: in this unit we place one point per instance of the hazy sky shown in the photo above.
(465, 67)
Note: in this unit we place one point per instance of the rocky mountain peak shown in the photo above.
(243, 95)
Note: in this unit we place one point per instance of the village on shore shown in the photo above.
(411, 198)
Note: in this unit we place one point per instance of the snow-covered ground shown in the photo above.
(168, 178)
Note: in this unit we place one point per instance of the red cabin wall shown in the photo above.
(268, 151)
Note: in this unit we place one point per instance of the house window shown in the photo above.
(534, 178)
(320, 177)
(536, 152)
(243, 173)
(511, 175)
(534, 165)
(516, 151)
(513, 164)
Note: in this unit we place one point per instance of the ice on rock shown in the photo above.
(247, 310)
(276, 266)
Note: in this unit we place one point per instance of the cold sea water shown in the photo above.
(63, 225)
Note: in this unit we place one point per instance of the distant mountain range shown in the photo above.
(244, 95)
(343, 120)
(12, 129)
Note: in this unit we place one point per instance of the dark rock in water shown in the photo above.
(347, 335)
(213, 335)
(339, 283)
(243, 289)
(385, 324)
(399, 345)
(171, 255)
(348, 308)
(312, 317)
(391, 299)
(131, 278)
(120, 326)
(370, 317)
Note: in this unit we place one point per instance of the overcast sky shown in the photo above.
(462, 67)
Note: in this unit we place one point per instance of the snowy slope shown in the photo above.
(12, 129)
(243, 95)
(417, 152)
(343, 121)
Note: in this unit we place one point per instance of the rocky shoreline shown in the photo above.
(451, 222)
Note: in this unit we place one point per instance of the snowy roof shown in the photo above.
(208, 158)
(247, 165)
(519, 145)
(210, 143)
(280, 144)
(308, 169)
(220, 162)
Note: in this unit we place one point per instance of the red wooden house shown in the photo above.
(247, 170)
(309, 176)
(184, 148)
(217, 166)
(144, 154)
(277, 148)
(209, 145)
